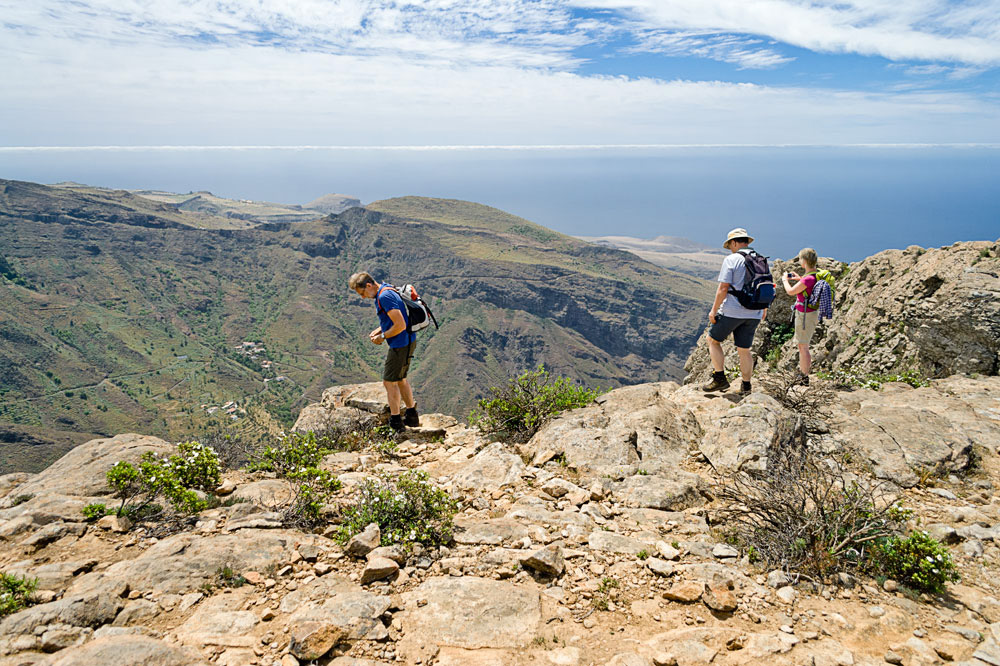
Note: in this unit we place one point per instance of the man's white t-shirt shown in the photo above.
(734, 272)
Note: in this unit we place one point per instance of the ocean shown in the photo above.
(846, 202)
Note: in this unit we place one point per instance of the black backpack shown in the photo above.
(758, 284)
(417, 311)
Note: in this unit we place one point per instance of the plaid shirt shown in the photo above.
(822, 299)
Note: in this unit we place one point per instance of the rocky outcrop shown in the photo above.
(592, 543)
(934, 311)
(82, 472)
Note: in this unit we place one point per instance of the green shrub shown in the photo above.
(518, 410)
(295, 452)
(874, 381)
(407, 509)
(226, 576)
(21, 499)
(312, 489)
(15, 593)
(94, 512)
(174, 477)
(918, 561)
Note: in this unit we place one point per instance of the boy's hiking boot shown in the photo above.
(718, 383)
(411, 418)
(396, 422)
(745, 388)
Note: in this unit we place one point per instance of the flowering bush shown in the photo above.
(918, 561)
(175, 477)
(408, 510)
(296, 452)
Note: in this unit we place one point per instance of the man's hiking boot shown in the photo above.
(745, 388)
(718, 383)
(801, 379)
(411, 418)
(396, 422)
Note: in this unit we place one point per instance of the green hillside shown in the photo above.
(119, 315)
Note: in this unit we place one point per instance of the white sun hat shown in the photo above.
(738, 232)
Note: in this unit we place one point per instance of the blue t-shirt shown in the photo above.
(387, 299)
(734, 271)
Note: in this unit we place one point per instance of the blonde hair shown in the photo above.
(360, 280)
(808, 255)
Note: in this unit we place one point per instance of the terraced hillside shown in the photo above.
(119, 315)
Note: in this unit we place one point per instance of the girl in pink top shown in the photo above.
(806, 318)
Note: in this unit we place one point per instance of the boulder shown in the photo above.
(469, 612)
(334, 600)
(83, 471)
(378, 568)
(312, 640)
(185, 562)
(345, 407)
(365, 541)
(740, 438)
(492, 468)
(128, 650)
(80, 610)
(547, 560)
(628, 428)
(672, 490)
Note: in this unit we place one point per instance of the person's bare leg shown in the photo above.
(746, 363)
(392, 396)
(805, 359)
(406, 393)
(717, 355)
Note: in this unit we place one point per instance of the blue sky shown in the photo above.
(498, 72)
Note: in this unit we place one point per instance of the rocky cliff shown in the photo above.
(933, 312)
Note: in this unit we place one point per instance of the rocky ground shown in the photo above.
(591, 544)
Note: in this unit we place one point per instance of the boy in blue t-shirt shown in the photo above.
(394, 328)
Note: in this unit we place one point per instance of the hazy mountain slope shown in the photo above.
(671, 252)
(118, 319)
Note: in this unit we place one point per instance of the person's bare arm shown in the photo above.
(789, 289)
(720, 295)
(398, 324)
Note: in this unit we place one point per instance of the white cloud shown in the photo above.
(445, 72)
(740, 51)
(933, 30)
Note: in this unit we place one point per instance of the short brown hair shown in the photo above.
(360, 280)
(808, 255)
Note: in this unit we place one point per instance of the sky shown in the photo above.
(498, 72)
(608, 90)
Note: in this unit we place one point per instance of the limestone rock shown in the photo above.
(628, 428)
(492, 468)
(718, 597)
(128, 650)
(667, 491)
(312, 640)
(685, 592)
(185, 562)
(378, 568)
(473, 613)
(334, 600)
(547, 560)
(616, 543)
(365, 541)
(83, 471)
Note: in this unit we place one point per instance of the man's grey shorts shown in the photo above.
(742, 330)
(397, 363)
